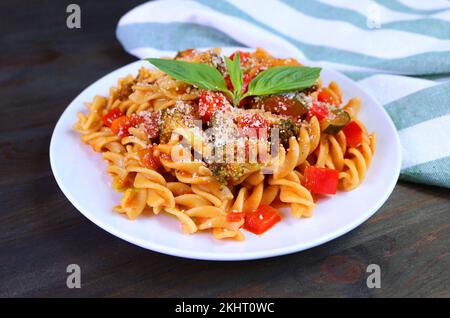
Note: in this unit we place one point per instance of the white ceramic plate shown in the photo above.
(81, 175)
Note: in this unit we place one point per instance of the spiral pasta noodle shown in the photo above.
(357, 163)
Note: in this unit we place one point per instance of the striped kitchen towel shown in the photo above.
(398, 50)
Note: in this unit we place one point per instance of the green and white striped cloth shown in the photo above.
(398, 50)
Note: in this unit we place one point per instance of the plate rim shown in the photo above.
(200, 255)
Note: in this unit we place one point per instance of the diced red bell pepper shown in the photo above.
(325, 97)
(262, 219)
(148, 159)
(353, 134)
(319, 110)
(321, 180)
(120, 125)
(113, 114)
(235, 216)
(250, 123)
(211, 102)
(243, 56)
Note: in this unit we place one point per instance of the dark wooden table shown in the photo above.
(44, 65)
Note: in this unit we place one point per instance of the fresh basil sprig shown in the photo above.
(235, 72)
(282, 79)
(199, 74)
(278, 79)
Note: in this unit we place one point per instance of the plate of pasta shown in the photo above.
(225, 154)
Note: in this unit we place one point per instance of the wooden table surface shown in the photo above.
(44, 65)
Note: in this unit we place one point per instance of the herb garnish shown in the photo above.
(278, 79)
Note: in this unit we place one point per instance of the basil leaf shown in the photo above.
(281, 79)
(234, 69)
(199, 74)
